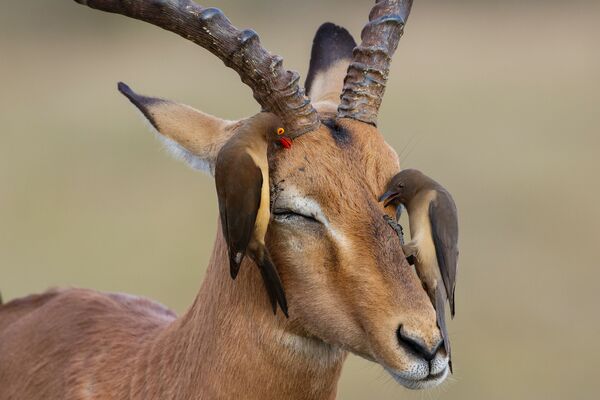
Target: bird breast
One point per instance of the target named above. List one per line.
(263, 215)
(420, 232)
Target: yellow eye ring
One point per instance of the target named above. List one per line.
(280, 131)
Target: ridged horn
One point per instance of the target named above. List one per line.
(275, 88)
(368, 72)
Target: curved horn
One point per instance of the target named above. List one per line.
(275, 88)
(367, 75)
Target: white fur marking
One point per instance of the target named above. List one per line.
(314, 349)
(308, 206)
(180, 152)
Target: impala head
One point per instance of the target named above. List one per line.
(344, 272)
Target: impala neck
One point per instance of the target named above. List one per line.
(230, 345)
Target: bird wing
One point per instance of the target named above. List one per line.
(239, 182)
(444, 230)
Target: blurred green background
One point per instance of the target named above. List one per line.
(497, 99)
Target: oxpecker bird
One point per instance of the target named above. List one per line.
(433, 223)
(242, 180)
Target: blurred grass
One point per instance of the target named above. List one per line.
(498, 100)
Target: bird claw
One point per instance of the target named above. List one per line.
(396, 227)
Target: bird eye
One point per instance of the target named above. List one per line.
(286, 215)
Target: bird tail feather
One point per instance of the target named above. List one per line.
(440, 306)
(452, 304)
(272, 283)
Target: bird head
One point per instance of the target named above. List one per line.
(402, 187)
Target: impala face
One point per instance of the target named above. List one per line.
(345, 275)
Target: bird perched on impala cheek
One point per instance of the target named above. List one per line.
(433, 223)
(242, 180)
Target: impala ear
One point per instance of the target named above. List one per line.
(187, 133)
(329, 59)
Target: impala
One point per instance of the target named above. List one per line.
(347, 282)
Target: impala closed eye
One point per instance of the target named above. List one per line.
(286, 215)
(291, 206)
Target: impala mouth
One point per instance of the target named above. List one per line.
(429, 381)
(421, 373)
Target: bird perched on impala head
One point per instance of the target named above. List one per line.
(433, 224)
(242, 180)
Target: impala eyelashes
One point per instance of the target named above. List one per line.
(293, 216)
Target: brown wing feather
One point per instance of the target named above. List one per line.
(444, 230)
(239, 182)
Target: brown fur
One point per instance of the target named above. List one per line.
(81, 344)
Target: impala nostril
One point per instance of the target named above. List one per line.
(417, 345)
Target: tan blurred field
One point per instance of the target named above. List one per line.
(498, 100)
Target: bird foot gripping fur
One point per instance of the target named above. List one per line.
(396, 227)
(409, 252)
